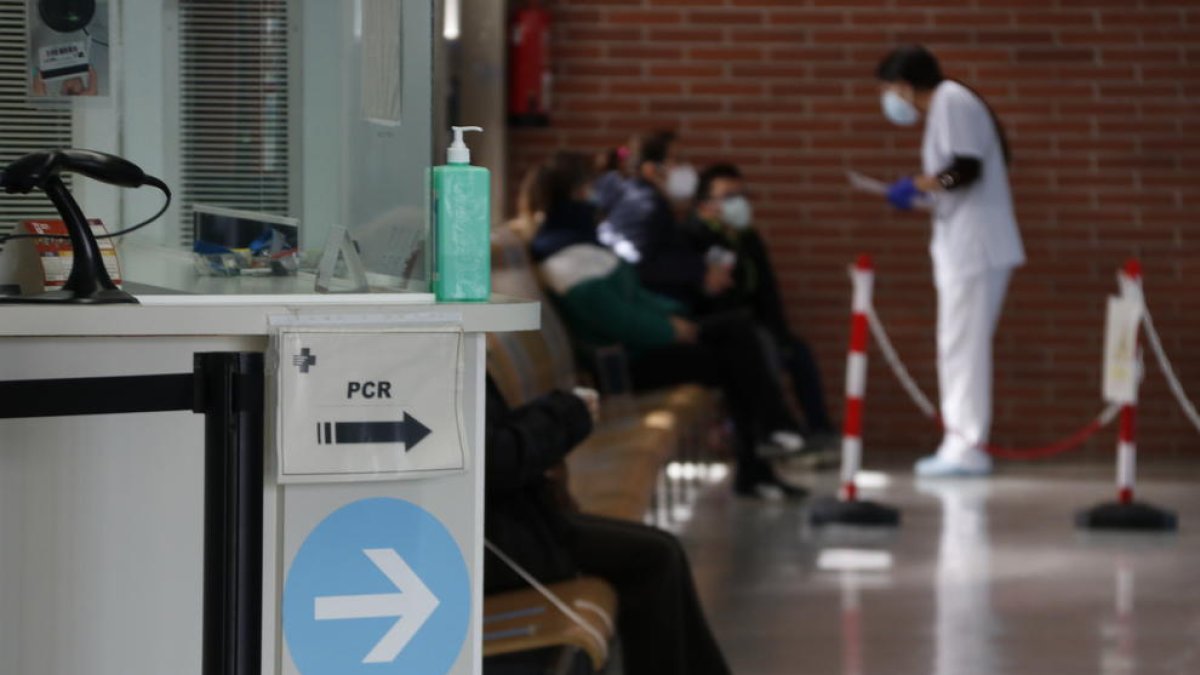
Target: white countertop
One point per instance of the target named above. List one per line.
(251, 315)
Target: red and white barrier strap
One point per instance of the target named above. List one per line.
(863, 275)
(1164, 364)
(866, 319)
(907, 382)
(910, 386)
(929, 410)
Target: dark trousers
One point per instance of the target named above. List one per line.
(660, 621)
(798, 359)
(730, 355)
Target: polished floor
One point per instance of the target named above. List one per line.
(984, 578)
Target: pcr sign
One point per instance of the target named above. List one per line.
(367, 404)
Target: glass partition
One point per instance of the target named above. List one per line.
(279, 124)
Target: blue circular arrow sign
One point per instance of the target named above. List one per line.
(379, 586)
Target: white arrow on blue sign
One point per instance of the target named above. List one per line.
(411, 607)
(379, 586)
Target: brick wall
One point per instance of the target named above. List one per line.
(1102, 102)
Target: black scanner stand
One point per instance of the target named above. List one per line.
(89, 282)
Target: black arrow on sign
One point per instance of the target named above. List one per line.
(407, 431)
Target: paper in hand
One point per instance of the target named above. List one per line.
(874, 186)
(864, 183)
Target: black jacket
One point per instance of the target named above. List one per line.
(522, 517)
(642, 229)
(755, 287)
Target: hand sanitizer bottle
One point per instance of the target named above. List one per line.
(462, 226)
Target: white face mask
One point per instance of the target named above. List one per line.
(682, 180)
(898, 110)
(736, 212)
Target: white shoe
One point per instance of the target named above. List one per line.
(781, 444)
(769, 493)
(788, 441)
(934, 466)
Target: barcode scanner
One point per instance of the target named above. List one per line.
(66, 16)
(31, 171)
(89, 282)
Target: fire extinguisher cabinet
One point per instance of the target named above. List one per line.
(529, 78)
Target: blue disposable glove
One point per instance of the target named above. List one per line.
(903, 193)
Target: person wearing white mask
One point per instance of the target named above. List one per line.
(641, 227)
(976, 244)
(722, 221)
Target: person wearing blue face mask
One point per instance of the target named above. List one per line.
(722, 219)
(604, 303)
(641, 227)
(976, 244)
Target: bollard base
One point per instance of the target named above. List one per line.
(1132, 516)
(834, 511)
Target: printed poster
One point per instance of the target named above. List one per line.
(68, 48)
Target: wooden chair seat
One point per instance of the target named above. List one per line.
(524, 620)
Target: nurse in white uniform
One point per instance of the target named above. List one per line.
(976, 244)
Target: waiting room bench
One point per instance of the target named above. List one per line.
(615, 472)
(524, 621)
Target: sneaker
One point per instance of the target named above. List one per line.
(790, 490)
(822, 450)
(766, 492)
(771, 490)
(934, 466)
(790, 441)
(781, 444)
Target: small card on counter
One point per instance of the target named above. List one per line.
(57, 256)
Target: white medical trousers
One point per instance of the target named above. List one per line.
(968, 311)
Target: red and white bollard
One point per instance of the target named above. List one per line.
(863, 276)
(1126, 454)
(1130, 281)
(846, 508)
(1125, 513)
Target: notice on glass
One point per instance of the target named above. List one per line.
(382, 60)
(68, 49)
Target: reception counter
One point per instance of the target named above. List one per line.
(102, 520)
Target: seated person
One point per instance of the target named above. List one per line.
(604, 303)
(529, 212)
(641, 228)
(723, 219)
(612, 166)
(660, 622)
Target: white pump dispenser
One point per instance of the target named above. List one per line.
(459, 153)
(463, 225)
